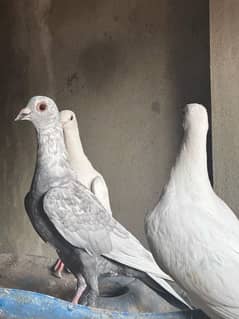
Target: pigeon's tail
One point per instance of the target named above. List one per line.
(165, 290)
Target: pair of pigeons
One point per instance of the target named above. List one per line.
(79, 162)
(192, 233)
(73, 214)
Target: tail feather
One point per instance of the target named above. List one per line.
(151, 279)
(130, 252)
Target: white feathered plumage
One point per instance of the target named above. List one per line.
(193, 234)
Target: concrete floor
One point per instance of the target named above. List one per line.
(33, 273)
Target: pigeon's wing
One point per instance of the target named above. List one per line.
(100, 189)
(129, 251)
(82, 221)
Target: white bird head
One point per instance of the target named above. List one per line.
(68, 120)
(196, 117)
(71, 135)
(41, 111)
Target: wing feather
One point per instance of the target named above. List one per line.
(84, 223)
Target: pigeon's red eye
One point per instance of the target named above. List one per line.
(42, 107)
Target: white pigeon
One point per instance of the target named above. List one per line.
(192, 233)
(87, 174)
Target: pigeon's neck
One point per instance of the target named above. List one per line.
(74, 147)
(191, 165)
(52, 160)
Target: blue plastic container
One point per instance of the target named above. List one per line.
(20, 304)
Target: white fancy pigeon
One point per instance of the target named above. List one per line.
(87, 174)
(65, 214)
(192, 233)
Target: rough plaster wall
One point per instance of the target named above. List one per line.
(224, 30)
(25, 70)
(126, 68)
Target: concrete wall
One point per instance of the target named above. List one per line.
(126, 68)
(224, 30)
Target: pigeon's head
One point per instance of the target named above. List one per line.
(68, 120)
(41, 111)
(195, 117)
(70, 127)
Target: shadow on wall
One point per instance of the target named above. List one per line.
(23, 73)
(98, 63)
(189, 63)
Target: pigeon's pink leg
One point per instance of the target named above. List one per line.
(77, 296)
(81, 285)
(57, 264)
(58, 268)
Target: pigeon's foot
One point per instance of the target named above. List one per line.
(92, 298)
(58, 268)
(83, 300)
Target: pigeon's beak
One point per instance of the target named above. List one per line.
(24, 114)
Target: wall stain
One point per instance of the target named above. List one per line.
(99, 63)
(155, 106)
(116, 18)
(71, 79)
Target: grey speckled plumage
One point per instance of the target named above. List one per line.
(200, 231)
(69, 217)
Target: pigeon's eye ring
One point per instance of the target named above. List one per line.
(41, 107)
